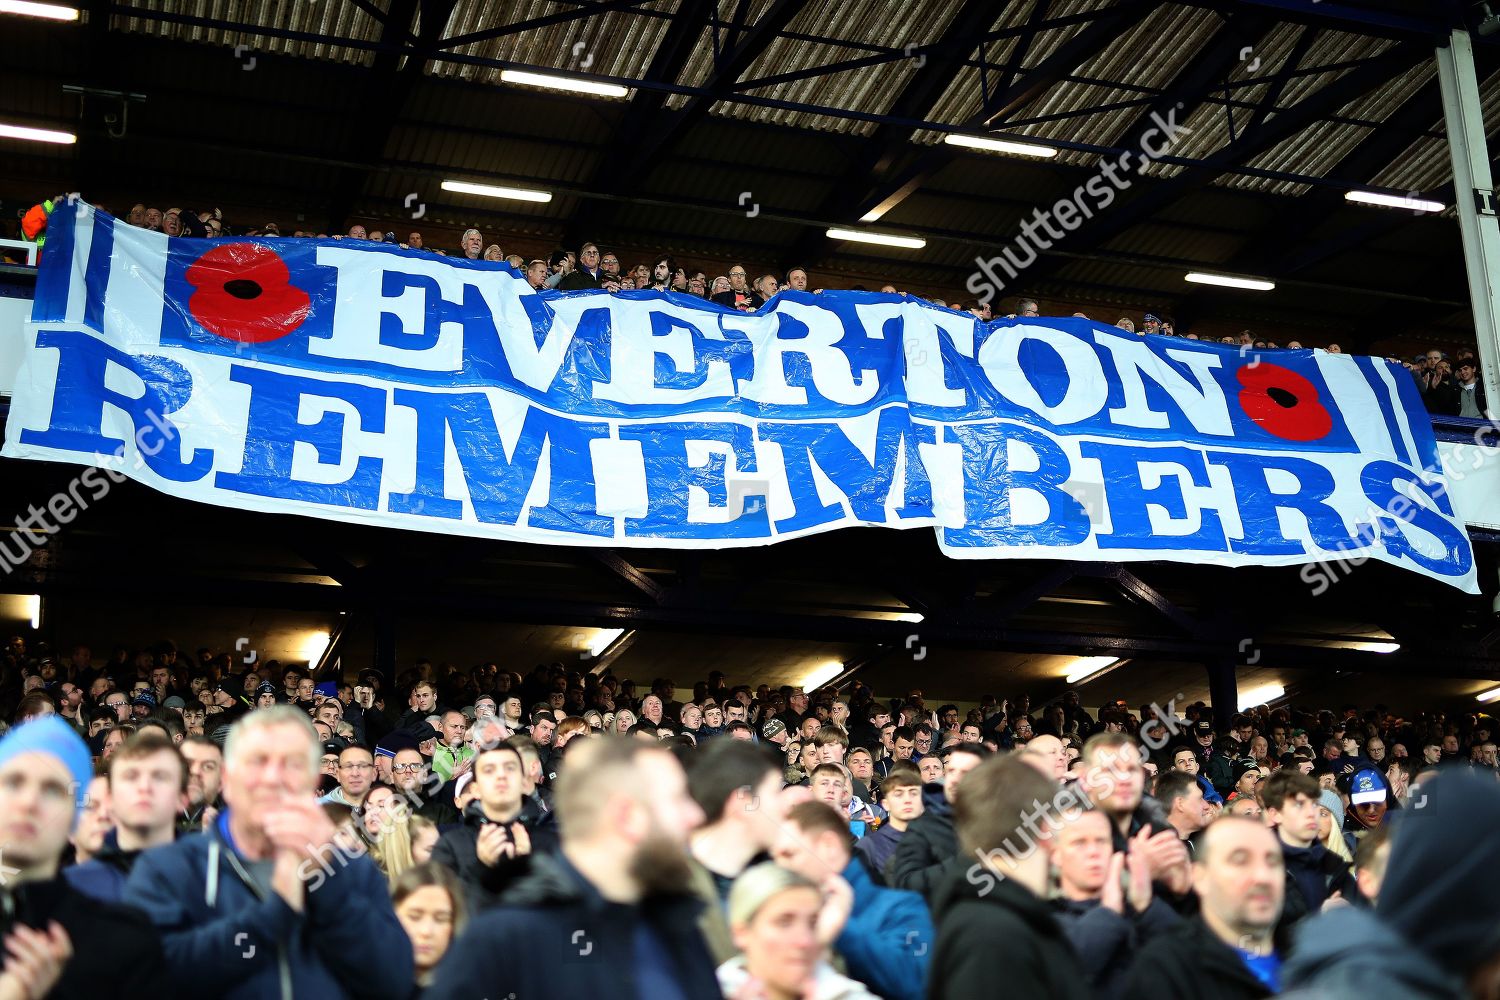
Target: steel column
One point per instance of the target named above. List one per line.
(1473, 192)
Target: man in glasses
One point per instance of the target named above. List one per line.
(738, 295)
(588, 273)
(356, 774)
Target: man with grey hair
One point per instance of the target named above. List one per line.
(472, 244)
(265, 903)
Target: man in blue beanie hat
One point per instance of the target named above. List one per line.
(45, 770)
(1432, 933)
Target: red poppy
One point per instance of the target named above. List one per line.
(244, 293)
(1283, 403)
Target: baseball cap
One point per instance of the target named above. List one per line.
(1366, 786)
(1203, 728)
(773, 729)
(334, 745)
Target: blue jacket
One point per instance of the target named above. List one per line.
(887, 941)
(553, 935)
(224, 937)
(103, 876)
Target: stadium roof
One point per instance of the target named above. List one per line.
(751, 126)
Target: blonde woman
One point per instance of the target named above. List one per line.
(384, 824)
(430, 905)
(782, 927)
(1331, 825)
(624, 720)
(423, 834)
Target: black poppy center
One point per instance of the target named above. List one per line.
(243, 288)
(1282, 397)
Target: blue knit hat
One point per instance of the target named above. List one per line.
(51, 735)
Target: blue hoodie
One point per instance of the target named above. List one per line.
(887, 941)
(225, 936)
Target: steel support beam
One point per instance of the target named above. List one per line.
(1223, 692)
(1473, 189)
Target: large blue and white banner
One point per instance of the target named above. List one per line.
(361, 382)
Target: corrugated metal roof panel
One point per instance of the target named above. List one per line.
(335, 20)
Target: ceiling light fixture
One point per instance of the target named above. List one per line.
(1087, 668)
(51, 11)
(568, 83)
(1410, 202)
(878, 239)
(1262, 695)
(8, 131)
(999, 145)
(497, 191)
(1230, 281)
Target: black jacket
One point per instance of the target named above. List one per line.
(1106, 941)
(116, 950)
(1313, 865)
(1189, 963)
(457, 848)
(555, 936)
(928, 851)
(995, 939)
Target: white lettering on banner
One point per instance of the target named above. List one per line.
(832, 374)
(361, 302)
(1204, 404)
(1087, 388)
(635, 344)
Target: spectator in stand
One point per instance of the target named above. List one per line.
(1314, 875)
(609, 266)
(58, 942)
(1466, 397)
(1182, 798)
(471, 245)
(262, 878)
(991, 915)
(737, 787)
(738, 295)
(1104, 900)
(589, 274)
(613, 906)
(902, 799)
(796, 279)
(430, 905)
(1431, 933)
(502, 832)
(784, 926)
(765, 290)
(536, 274)
(886, 940)
(1228, 952)
(94, 821)
(928, 851)
(147, 791)
(1115, 781)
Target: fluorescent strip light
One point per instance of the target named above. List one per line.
(822, 675)
(1262, 695)
(1409, 202)
(48, 10)
(34, 601)
(916, 618)
(1086, 668)
(563, 83)
(35, 134)
(879, 239)
(999, 145)
(1488, 696)
(1379, 647)
(1229, 281)
(603, 639)
(497, 191)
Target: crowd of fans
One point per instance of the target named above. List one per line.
(176, 824)
(1447, 388)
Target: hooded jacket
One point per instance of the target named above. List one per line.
(1351, 954)
(458, 849)
(103, 876)
(568, 941)
(1313, 874)
(116, 952)
(1188, 962)
(928, 851)
(995, 939)
(225, 936)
